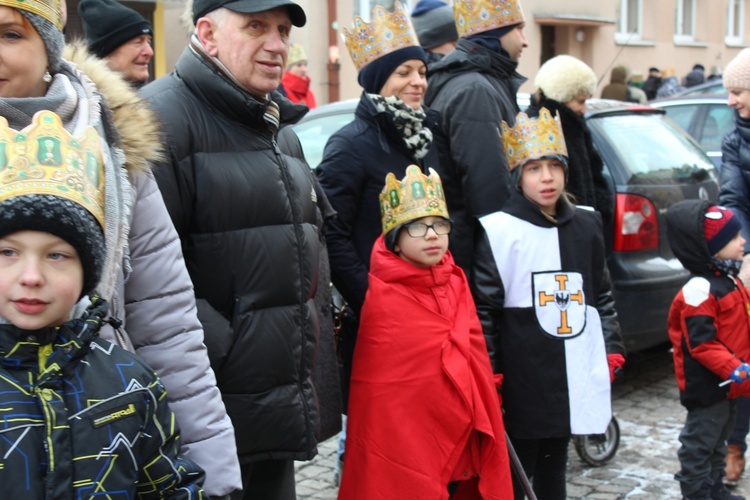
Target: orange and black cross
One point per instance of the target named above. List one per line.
(562, 300)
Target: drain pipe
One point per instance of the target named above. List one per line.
(333, 53)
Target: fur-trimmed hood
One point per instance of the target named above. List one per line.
(136, 126)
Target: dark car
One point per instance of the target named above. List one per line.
(650, 164)
(706, 117)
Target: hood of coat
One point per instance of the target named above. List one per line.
(686, 235)
(390, 268)
(470, 57)
(135, 124)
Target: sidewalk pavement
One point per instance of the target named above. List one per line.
(646, 403)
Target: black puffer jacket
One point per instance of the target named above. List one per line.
(585, 179)
(474, 90)
(245, 213)
(734, 176)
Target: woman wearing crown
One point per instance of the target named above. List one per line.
(391, 130)
(143, 262)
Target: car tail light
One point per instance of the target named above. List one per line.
(636, 225)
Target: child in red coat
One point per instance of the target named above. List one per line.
(424, 414)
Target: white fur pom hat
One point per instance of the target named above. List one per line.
(737, 72)
(563, 78)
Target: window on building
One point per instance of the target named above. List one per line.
(685, 22)
(629, 25)
(735, 15)
(363, 8)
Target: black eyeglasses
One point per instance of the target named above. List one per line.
(419, 229)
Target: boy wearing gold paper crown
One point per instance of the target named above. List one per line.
(424, 415)
(545, 301)
(81, 417)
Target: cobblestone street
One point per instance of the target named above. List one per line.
(646, 403)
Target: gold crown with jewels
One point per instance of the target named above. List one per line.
(533, 138)
(476, 16)
(415, 196)
(387, 32)
(296, 55)
(51, 10)
(44, 158)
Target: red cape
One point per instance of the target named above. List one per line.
(421, 384)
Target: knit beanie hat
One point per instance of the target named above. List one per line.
(564, 77)
(65, 219)
(720, 225)
(296, 55)
(373, 76)
(108, 24)
(434, 23)
(737, 72)
(52, 36)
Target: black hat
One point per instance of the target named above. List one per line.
(203, 7)
(65, 219)
(373, 76)
(108, 24)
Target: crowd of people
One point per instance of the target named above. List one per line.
(166, 318)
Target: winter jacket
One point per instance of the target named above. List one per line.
(651, 86)
(424, 409)
(355, 163)
(617, 88)
(297, 89)
(246, 215)
(153, 293)
(83, 418)
(709, 319)
(695, 77)
(544, 298)
(585, 178)
(734, 175)
(474, 90)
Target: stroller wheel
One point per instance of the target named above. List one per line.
(598, 449)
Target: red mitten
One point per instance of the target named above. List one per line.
(614, 361)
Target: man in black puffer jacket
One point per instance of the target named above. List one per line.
(246, 214)
(474, 89)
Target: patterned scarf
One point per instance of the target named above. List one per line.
(727, 266)
(408, 121)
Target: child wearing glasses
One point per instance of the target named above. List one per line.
(424, 415)
(544, 298)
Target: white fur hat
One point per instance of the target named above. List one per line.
(563, 78)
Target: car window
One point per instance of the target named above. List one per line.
(682, 114)
(652, 148)
(314, 133)
(719, 121)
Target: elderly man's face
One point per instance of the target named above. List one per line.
(132, 58)
(254, 47)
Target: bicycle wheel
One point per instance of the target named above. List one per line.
(598, 449)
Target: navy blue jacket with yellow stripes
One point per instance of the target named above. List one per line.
(81, 417)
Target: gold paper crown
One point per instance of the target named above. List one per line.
(476, 16)
(296, 54)
(417, 195)
(44, 158)
(386, 33)
(531, 138)
(51, 10)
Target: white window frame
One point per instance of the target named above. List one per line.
(733, 15)
(683, 33)
(622, 36)
(364, 7)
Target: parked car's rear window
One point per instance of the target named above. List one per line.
(652, 148)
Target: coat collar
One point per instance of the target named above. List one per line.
(212, 87)
(523, 208)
